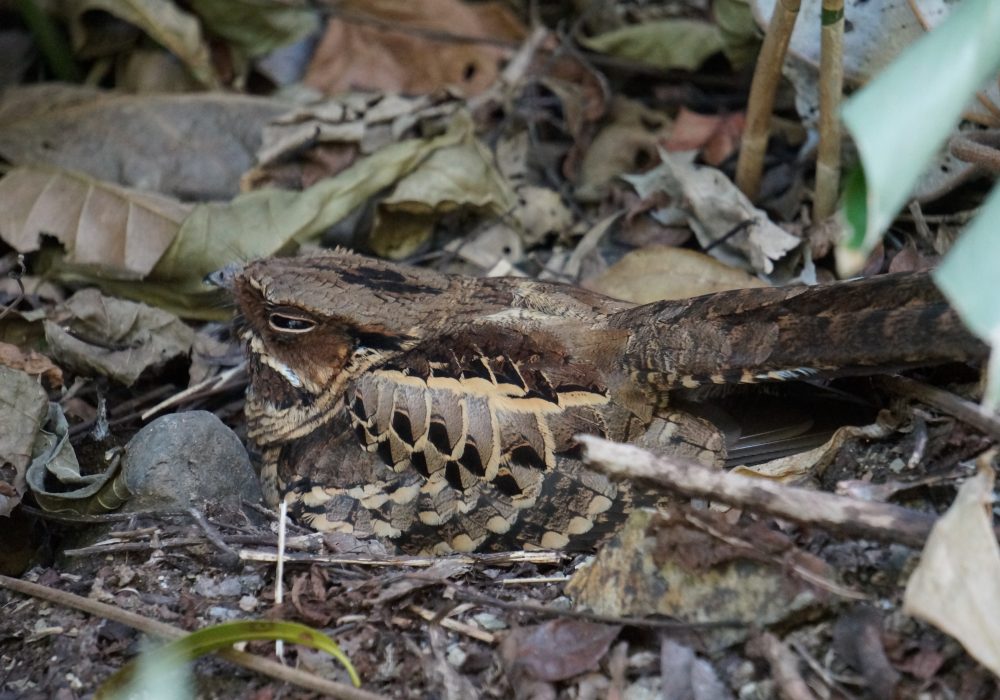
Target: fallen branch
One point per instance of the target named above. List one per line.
(848, 516)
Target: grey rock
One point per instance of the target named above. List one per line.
(186, 459)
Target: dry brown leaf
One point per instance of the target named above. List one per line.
(625, 145)
(402, 47)
(667, 566)
(717, 137)
(114, 337)
(558, 649)
(101, 225)
(956, 586)
(663, 272)
(31, 362)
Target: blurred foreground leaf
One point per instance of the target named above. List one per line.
(969, 278)
(223, 636)
(956, 586)
(934, 78)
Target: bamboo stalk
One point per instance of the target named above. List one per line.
(831, 86)
(766, 76)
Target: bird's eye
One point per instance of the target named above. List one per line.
(286, 323)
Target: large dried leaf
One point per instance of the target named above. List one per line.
(664, 565)
(664, 272)
(114, 337)
(166, 23)
(968, 278)
(665, 44)
(372, 54)
(189, 146)
(956, 586)
(258, 224)
(631, 137)
(459, 176)
(111, 229)
(23, 407)
(253, 225)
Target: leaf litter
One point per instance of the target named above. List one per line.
(525, 152)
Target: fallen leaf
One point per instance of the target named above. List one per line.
(455, 177)
(716, 137)
(258, 224)
(165, 22)
(252, 27)
(192, 146)
(738, 31)
(558, 649)
(541, 213)
(665, 44)
(111, 229)
(54, 475)
(665, 565)
(663, 272)
(23, 408)
(307, 144)
(627, 143)
(31, 362)
(397, 47)
(956, 586)
(686, 677)
(114, 337)
(719, 214)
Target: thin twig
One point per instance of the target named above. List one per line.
(164, 631)
(944, 401)
(838, 514)
(549, 611)
(231, 557)
(211, 385)
(455, 625)
(485, 559)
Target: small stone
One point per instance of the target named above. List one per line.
(220, 613)
(184, 459)
(248, 603)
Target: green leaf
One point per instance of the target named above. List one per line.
(901, 118)
(969, 278)
(256, 27)
(223, 636)
(669, 43)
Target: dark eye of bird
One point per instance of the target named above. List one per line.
(290, 324)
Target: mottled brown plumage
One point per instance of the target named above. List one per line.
(439, 411)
